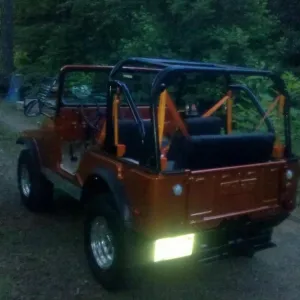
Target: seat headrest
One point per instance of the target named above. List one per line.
(203, 126)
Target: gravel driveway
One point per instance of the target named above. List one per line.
(41, 257)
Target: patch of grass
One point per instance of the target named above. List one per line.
(6, 287)
(8, 145)
(6, 134)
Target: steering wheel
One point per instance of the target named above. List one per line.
(95, 123)
(81, 94)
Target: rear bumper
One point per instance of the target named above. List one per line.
(236, 237)
(240, 236)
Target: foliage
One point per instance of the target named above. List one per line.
(293, 86)
(74, 31)
(248, 119)
(258, 33)
(288, 14)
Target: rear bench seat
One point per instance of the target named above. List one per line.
(212, 151)
(203, 126)
(205, 148)
(129, 133)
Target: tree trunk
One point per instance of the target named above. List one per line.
(6, 26)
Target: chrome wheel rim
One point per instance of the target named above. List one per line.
(25, 181)
(102, 243)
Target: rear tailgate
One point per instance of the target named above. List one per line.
(221, 193)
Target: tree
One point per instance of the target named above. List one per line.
(288, 13)
(75, 31)
(7, 37)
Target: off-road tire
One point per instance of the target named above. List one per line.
(111, 279)
(40, 197)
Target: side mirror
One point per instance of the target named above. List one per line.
(41, 105)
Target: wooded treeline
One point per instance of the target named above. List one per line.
(260, 33)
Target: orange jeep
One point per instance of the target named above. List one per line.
(165, 166)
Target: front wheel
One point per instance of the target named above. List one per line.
(35, 190)
(104, 243)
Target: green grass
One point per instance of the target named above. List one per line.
(6, 287)
(6, 134)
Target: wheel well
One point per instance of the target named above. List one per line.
(30, 145)
(94, 185)
(98, 184)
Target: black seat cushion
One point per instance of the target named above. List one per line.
(129, 135)
(213, 151)
(203, 126)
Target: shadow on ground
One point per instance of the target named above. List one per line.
(41, 257)
(44, 259)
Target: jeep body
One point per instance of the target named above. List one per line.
(177, 184)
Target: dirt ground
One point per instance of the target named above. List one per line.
(41, 256)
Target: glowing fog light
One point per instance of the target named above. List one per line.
(175, 247)
(289, 174)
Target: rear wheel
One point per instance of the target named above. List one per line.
(35, 190)
(104, 243)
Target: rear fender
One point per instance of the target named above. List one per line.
(104, 180)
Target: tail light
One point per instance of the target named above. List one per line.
(290, 183)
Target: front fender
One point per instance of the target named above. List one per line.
(30, 144)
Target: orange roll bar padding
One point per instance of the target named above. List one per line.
(229, 115)
(218, 105)
(278, 150)
(121, 149)
(175, 115)
(161, 115)
(268, 112)
(171, 106)
(101, 136)
(180, 125)
(115, 115)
